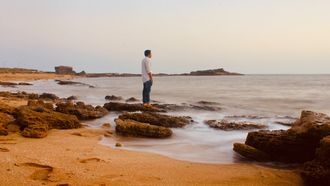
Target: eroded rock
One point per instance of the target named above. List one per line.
(317, 172)
(231, 125)
(36, 122)
(157, 119)
(296, 145)
(138, 129)
(116, 106)
(82, 111)
(113, 98)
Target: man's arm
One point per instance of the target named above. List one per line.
(149, 70)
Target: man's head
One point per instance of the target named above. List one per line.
(148, 53)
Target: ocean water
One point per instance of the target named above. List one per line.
(272, 97)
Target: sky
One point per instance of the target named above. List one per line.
(246, 36)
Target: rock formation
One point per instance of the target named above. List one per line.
(82, 111)
(157, 119)
(138, 129)
(231, 125)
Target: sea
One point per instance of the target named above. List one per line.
(261, 99)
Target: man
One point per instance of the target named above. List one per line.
(146, 78)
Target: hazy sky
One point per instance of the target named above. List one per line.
(248, 36)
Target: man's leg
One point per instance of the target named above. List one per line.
(148, 92)
(144, 93)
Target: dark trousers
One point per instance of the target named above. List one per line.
(146, 91)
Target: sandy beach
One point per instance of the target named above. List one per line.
(75, 157)
(31, 76)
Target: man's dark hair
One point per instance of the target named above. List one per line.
(147, 53)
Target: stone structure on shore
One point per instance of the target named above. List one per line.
(64, 70)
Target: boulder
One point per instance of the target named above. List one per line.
(116, 106)
(138, 129)
(7, 109)
(231, 125)
(113, 98)
(82, 111)
(36, 121)
(296, 145)
(250, 152)
(48, 96)
(317, 172)
(157, 119)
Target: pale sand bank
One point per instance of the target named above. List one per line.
(80, 160)
(31, 76)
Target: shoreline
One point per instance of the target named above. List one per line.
(76, 157)
(45, 161)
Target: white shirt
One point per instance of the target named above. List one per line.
(146, 68)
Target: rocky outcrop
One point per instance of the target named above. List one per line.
(317, 172)
(48, 96)
(231, 125)
(251, 152)
(113, 98)
(138, 129)
(11, 84)
(213, 72)
(82, 111)
(296, 145)
(157, 119)
(116, 106)
(36, 121)
(66, 82)
(64, 70)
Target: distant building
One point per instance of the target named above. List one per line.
(64, 70)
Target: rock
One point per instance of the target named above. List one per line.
(106, 126)
(82, 111)
(36, 124)
(33, 96)
(205, 107)
(317, 172)
(62, 82)
(250, 152)
(283, 146)
(4, 120)
(72, 98)
(113, 98)
(134, 128)
(3, 131)
(25, 84)
(64, 70)
(157, 119)
(48, 96)
(132, 99)
(116, 106)
(284, 123)
(119, 145)
(246, 117)
(8, 84)
(40, 103)
(212, 72)
(230, 125)
(312, 125)
(7, 109)
(296, 145)
(12, 127)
